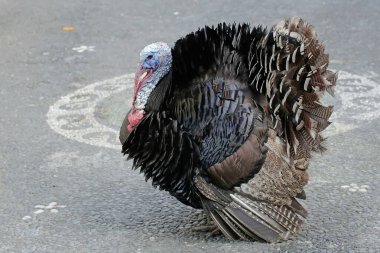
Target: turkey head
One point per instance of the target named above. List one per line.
(155, 64)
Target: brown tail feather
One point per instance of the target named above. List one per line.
(295, 64)
(280, 179)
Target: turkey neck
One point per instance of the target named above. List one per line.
(159, 94)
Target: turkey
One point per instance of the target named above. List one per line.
(227, 120)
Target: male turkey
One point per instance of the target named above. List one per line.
(227, 119)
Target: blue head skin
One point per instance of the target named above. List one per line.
(155, 63)
(151, 61)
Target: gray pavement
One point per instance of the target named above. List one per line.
(60, 194)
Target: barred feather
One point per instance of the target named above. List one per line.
(294, 91)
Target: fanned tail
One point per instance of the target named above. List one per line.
(289, 67)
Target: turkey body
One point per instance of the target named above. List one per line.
(231, 127)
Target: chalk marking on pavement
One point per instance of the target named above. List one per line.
(52, 207)
(355, 188)
(73, 115)
(84, 48)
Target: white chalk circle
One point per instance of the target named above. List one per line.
(75, 114)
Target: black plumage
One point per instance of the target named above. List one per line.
(231, 127)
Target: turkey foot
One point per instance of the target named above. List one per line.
(211, 228)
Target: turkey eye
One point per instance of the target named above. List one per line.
(149, 57)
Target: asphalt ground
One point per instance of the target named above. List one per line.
(64, 186)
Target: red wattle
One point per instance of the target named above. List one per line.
(134, 118)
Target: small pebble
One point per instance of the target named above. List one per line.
(54, 211)
(39, 206)
(353, 185)
(38, 211)
(345, 186)
(365, 186)
(176, 13)
(352, 189)
(363, 190)
(27, 217)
